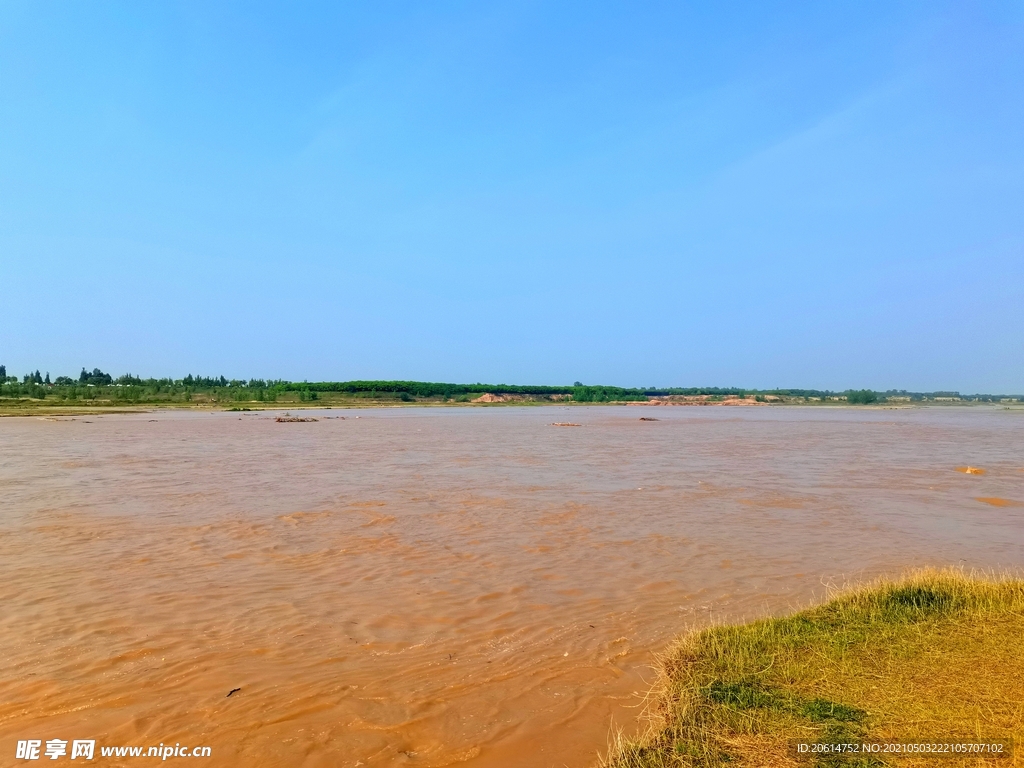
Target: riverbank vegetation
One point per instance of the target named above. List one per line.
(937, 656)
(98, 389)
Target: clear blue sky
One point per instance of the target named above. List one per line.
(759, 194)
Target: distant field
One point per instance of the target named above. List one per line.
(99, 390)
(127, 402)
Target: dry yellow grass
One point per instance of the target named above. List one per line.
(936, 656)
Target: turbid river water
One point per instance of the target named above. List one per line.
(429, 587)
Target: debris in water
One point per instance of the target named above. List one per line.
(233, 690)
(283, 419)
(996, 501)
(565, 424)
(971, 470)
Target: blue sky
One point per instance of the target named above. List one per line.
(759, 195)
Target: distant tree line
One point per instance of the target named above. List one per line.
(422, 388)
(90, 384)
(585, 394)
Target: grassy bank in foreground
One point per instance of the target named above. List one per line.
(936, 656)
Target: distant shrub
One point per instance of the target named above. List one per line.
(861, 396)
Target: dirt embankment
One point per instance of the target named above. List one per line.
(706, 400)
(488, 397)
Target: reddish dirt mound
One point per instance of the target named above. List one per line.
(701, 400)
(487, 397)
(490, 397)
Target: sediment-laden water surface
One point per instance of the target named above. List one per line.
(428, 587)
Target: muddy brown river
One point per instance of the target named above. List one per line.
(442, 586)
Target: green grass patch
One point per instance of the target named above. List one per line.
(938, 655)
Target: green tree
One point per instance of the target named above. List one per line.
(861, 396)
(97, 377)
